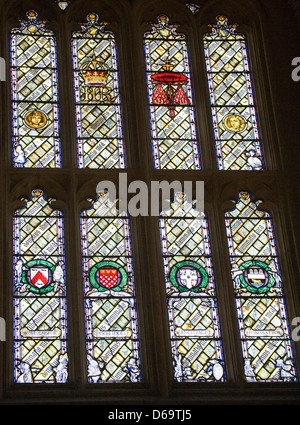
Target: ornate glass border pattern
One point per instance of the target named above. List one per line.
(172, 112)
(192, 305)
(34, 90)
(40, 315)
(110, 304)
(238, 145)
(97, 97)
(259, 296)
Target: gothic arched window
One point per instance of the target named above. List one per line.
(110, 305)
(172, 114)
(191, 295)
(35, 112)
(97, 97)
(259, 294)
(40, 314)
(105, 305)
(233, 110)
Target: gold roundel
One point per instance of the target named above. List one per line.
(35, 119)
(234, 123)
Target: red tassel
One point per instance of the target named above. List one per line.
(159, 97)
(180, 98)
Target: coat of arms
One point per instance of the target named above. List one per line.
(95, 74)
(108, 275)
(169, 89)
(39, 276)
(188, 276)
(256, 276)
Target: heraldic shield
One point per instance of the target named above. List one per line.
(256, 277)
(108, 275)
(39, 276)
(188, 277)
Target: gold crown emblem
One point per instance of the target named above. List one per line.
(108, 271)
(94, 73)
(95, 78)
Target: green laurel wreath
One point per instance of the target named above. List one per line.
(249, 287)
(31, 287)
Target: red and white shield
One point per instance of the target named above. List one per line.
(108, 277)
(39, 276)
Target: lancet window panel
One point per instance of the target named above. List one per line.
(191, 295)
(39, 288)
(97, 97)
(172, 113)
(112, 339)
(259, 294)
(234, 116)
(34, 91)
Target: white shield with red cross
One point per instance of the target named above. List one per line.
(39, 277)
(108, 277)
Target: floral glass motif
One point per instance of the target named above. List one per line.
(237, 139)
(191, 297)
(110, 305)
(35, 113)
(259, 296)
(40, 323)
(62, 4)
(97, 97)
(172, 113)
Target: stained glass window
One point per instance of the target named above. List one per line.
(237, 139)
(35, 114)
(62, 4)
(191, 296)
(259, 294)
(172, 114)
(97, 97)
(110, 305)
(194, 8)
(40, 326)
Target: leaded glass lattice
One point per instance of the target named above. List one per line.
(191, 296)
(172, 114)
(40, 324)
(259, 296)
(97, 97)
(35, 113)
(237, 139)
(110, 304)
